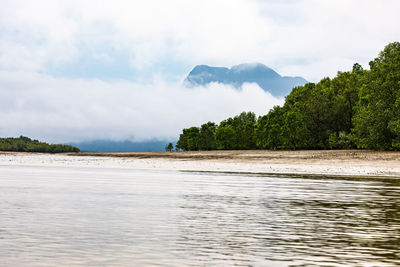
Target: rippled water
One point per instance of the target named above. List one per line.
(104, 217)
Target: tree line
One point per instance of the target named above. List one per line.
(25, 144)
(356, 109)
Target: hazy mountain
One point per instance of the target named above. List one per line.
(121, 146)
(268, 79)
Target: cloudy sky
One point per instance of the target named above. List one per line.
(82, 70)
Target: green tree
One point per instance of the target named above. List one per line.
(225, 137)
(169, 147)
(268, 129)
(378, 115)
(25, 144)
(189, 139)
(207, 136)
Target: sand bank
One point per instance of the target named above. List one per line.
(340, 162)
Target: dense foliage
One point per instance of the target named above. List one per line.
(169, 147)
(356, 109)
(25, 144)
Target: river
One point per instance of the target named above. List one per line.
(124, 217)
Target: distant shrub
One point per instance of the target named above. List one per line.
(25, 144)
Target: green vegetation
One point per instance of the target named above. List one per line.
(169, 147)
(356, 109)
(25, 144)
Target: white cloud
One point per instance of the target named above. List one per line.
(62, 110)
(289, 36)
(198, 31)
(333, 35)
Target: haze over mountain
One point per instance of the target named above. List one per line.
(152, 145)
(268, 79)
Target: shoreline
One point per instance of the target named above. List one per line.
(346, 163)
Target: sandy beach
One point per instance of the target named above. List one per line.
(334, 162)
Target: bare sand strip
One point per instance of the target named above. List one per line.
(312, 162)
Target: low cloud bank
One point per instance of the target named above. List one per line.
(72, 110)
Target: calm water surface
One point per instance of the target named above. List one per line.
(104, 217)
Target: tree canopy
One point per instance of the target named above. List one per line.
(169, 147)
(25, 144)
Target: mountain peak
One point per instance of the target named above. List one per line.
(251, 67)
(268, 79)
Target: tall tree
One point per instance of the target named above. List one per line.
(207, 136)
(376, 123)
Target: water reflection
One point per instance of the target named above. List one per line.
(297, 221)
(93, 217)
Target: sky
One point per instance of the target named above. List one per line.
(82, 70)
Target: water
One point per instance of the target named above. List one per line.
(104, 217)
